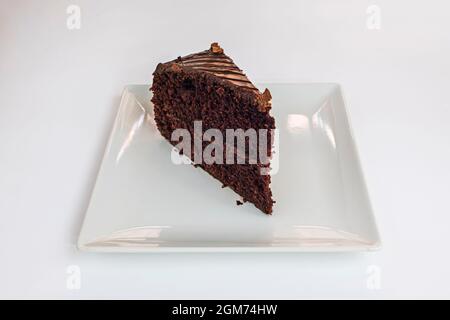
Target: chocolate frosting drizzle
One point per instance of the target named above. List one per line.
(216, 62)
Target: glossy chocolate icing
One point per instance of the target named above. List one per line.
(216, 62)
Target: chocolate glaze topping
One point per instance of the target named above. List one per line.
(216, 62)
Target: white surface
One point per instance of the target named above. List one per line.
(55, 119)
(143, 202)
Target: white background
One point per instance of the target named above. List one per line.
(59, 91)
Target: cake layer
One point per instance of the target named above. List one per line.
(207, 98)
(210, 88)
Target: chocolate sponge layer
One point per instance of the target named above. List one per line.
(183, 94)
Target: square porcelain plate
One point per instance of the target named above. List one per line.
(143, 202)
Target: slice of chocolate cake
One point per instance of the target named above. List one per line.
(208, 96)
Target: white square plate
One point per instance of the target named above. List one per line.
(142, 202)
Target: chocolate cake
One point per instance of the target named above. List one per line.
(208, 86)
